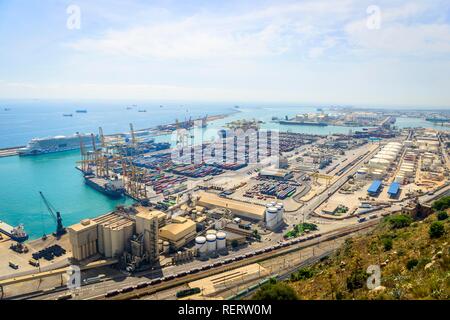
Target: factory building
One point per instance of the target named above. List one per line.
(178, 233)
(147, 225)
(83, 238)
(245, 210)
(117, 232)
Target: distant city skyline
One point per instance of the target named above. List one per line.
(350, 52)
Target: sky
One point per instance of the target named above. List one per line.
(353, 52)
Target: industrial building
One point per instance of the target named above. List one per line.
(375, 188)
(178, 233)
(116, 233)
(275, 174)
(245, 210)
(394, 189)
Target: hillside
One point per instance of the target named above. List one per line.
(414, 264)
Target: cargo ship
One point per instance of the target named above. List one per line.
(54, 144)
(14, 233)
(112, 188)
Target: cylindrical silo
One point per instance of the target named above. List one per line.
(211, 241)
(166, 246)
(221, 241)
(211, 231)
(200, 245)
(160, 245)
(271, 217)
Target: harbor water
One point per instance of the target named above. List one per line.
(21, 178)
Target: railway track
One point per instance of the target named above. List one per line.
(137, 293)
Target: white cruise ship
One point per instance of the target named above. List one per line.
(55, 144)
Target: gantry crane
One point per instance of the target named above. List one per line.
(56, 215)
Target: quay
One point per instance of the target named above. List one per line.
(9, 152)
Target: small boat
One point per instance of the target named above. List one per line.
(81, 111)
(7, 109)
(67, 115)
(142, 110)
(129, 108)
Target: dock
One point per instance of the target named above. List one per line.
(9, 152)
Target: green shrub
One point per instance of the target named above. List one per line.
(441, 204)
(411, 264)
(436, 229)
(275, 291)
(387, 244)
(302, 274)
(400, 221)
(442, 215)
(357, 279)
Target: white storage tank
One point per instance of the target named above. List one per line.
(211, 241)
(200, 245)
(221, 241)
(160, 245)
(280, 214)
(166, 246)
(211, 231)
(271, 217)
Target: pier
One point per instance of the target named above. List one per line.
(9, 152)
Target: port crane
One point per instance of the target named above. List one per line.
(56, 215)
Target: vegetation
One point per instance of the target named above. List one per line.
(275, 291)
(441, 204)
(399, 221)
(413, 264)
(299, 229)
(387, 243)
(302, 274)
(437, 229)
(442, 215)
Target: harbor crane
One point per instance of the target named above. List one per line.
(56, 215)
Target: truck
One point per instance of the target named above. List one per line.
(361, 219)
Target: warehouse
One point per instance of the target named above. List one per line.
(178, 233)
(375, 188)
(275, 174)
(394, 190)
(245, 210)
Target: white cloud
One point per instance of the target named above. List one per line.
(259, 33)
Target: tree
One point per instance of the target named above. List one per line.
(442, 215)
(400, 221)
(441, 204)
(436, 230)
(275, 291)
